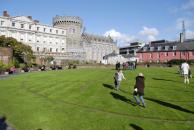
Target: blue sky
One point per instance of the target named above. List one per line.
(124, 20)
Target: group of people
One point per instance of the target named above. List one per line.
(138, 88)
(140, 85)
(126, 65)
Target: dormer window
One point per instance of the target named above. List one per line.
(151, 48)
(30, 26)
(2, 23)
(174, 47)
(145, 49)
(159, 48)
(166, 48)
(22, 25)
(13, 24)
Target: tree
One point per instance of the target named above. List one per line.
(21, 53)
(49, 59)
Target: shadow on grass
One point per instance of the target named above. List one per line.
(122, 98)
(108, 86)
(136, 127)
(123, 91)
(164, 79)
(166, 104)
(111, 87)
(4, 125)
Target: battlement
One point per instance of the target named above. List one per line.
(58, 20)
(96, 38)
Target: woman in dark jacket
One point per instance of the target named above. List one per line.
(139, 89)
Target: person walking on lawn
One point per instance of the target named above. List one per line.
(118, 78)
(139, 89)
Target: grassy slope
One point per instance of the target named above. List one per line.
(83, 99)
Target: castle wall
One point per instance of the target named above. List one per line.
(63, 40)
(73, 25)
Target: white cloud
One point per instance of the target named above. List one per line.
(189, 34)
(120, 37)
(188, 6)
(151, 38)
(150, 33)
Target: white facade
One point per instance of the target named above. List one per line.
(114, 59)
(56, 40)
(42, 38)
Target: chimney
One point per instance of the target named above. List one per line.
(5, 14)
(30, 17)
(181, 37)
(36, 21)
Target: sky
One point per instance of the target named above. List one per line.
(124, 20)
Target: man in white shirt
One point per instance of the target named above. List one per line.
(185, 69)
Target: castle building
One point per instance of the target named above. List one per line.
(64, 40)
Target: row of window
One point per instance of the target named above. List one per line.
(48, 50)
(159, 48)
(37, 28)
(21, 39)
(167, 54)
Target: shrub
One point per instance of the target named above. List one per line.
(16, 63)
(2, 67)
(179, 62)
(74, 66)
(22, 65)
(70, 66)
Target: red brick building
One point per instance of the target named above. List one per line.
(163, 51)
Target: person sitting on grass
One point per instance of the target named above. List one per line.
(139, 89)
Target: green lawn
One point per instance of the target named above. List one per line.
(83, 99)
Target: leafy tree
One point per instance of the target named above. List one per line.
(22, 53)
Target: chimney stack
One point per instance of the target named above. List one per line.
(30, 17)
(36, 21)
(181, 37)
(5, 14)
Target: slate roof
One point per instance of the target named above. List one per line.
(169, 46)
(110, 55)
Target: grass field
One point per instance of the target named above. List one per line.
(84, 99)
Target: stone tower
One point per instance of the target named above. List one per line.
(73, 25)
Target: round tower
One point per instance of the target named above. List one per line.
(73, 25)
